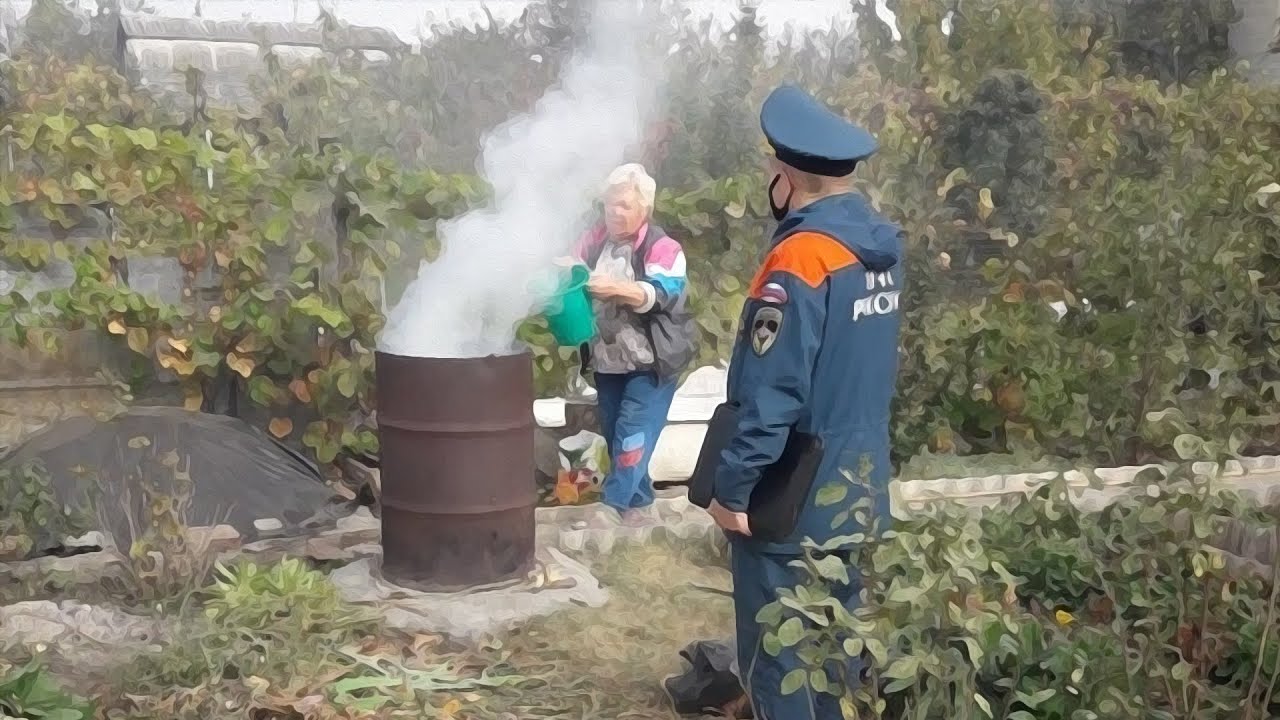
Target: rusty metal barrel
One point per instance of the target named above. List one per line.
(458, 474)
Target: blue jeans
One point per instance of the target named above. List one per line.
(633, 410)
(757, 578)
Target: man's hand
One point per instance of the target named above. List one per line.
(729, 520)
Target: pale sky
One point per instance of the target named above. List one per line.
(408, 18)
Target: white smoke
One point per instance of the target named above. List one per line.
(546, 168)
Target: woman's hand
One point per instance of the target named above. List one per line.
(631, 294)
(604, 288)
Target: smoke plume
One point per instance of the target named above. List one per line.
(545, 169)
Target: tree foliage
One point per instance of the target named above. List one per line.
(1091, 246)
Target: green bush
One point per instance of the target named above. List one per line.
(30, 514)
(1037, 609)
(1090, 215)
(274, 638)
(283, 622)
(29, 693)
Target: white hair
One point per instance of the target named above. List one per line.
(635, 177)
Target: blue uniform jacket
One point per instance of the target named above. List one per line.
(817, 349)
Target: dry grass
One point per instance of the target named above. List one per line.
(580, 664)
(609, 662)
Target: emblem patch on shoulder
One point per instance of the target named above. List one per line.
(774, 294)
(765, 325)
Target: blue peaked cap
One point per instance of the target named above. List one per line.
(809, 137)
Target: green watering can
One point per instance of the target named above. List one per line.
(569, 316)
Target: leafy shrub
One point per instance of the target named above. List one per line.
(284, 622)
(29, 693)
(289, 597)
(31, 517)
(1089, 248)
(279, 637)
(1036, 609)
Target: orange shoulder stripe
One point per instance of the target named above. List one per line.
(812, 257)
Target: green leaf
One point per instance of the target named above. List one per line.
(982, 703)
(840, 519)
(80, 181)
(791, 632)
(60, 123)
(771, 644)
(144, 138)
(365, 682)
(347, 384)
(899, 685)
(831, 567)
(770, 615)
(370, 704)
(1035, 699)
(793, 681)
(853, 647)
(878, 651)
(831, 494)
(906, 594)
(277, 228)
(903, 668)
(818, 681)
(310, 200)
(975, 650)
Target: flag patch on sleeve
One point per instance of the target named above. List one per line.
(773, 293)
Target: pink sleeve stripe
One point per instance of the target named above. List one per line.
(664, 254)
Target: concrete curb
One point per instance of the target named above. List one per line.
(1258, 476)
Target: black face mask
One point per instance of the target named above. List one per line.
(779, 212)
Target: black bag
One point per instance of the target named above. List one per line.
(708, 683)
(783, 488)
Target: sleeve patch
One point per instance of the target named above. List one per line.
(774, 294)
(766, 323)
(808, 256)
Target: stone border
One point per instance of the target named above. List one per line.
(1256, 475)
(572, 530)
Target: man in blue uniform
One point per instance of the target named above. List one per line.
(816, 355)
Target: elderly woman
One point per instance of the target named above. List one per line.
(645, 333)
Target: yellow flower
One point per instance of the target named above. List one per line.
(1064, 618)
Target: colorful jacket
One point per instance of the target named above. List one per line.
(665, 319)
(817, 351)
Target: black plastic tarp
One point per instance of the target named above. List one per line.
(238, 474)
